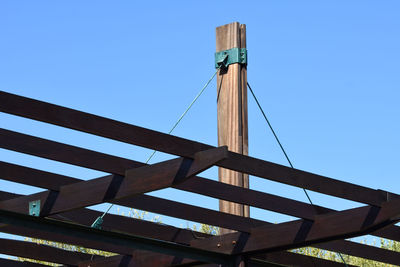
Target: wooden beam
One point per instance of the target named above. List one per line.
(114, 239)
(168, 233)
(362, 251)
(197, 185)
(252, 198)
(42, 252)
(139, 258)
(232, 110)
(119, 223)
(183, 236)
(294, 259)
(75, 155)
(190, 212)
(44, 148)
(115, 187)
(154, 204)
(85, 122)
(15, 263)
(300, 233)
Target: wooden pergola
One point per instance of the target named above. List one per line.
(59, 213)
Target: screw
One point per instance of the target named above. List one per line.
(234, 242)
(218, 245)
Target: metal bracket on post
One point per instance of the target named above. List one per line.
(34, 208)
(231, 56)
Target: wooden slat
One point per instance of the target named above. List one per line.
(14, 263)
(190, 212)
(139, 258)
(169, 208)
(34, 177)
(53, 150)
(293, 259)
(131, 134)
(114, 187)
(252, 198)
(64, 238)
(327, 227)
(185, 236)
(64, 153)
(197, 185)
(114, 239)
(170, 233)
(362, 251)
(42, 252)
(306, 180)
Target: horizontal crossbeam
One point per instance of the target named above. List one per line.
(43, 252)
(89, 123)
(114, 187)
(81, 217)
(300, 233)
(114, 238)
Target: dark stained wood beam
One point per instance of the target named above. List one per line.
(116, 242)
(199, 185)
(14, 263)
(139, 258)
(185, 236)
(114, 187)
(75, 155)
(190, 212)
(324, 228)
(162, 232)
(42, 252)
(89, 123)
(362, 251)
(294, 259)
(34, 177)
(56, 151)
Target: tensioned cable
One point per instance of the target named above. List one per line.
(283, 150)
(276, 137)
(99, 220)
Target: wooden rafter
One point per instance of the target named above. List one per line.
(65, 201)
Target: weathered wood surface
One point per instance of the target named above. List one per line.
(42, 252)
(324, 228)
(183, 236)
(79, 156)
(168, 233)
(85, 122)
(115, 187)
(232, 111)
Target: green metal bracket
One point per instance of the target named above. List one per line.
(34, 208)
(231, 56)
(97, 223)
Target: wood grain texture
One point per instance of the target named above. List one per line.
(131, 134)
(114, 187)
(42, 252)
(232, 110)
(324, 228)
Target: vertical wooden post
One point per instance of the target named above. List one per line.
(232, 110)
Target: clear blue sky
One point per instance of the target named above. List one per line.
(326, 73)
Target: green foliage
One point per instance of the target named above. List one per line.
(207, 229)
